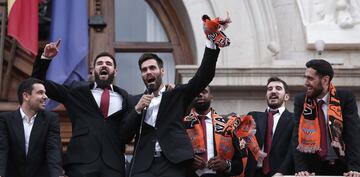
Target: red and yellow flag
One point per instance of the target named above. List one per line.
(23, 23)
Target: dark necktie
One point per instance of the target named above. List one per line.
(322, 123)
(268, 140)
(203, 125)
(104, 103)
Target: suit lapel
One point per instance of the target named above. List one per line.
(124, 100)
(18, 127)
(37, 129)
(92, 99)
(282, 123)
(261, 128)
(161, 107)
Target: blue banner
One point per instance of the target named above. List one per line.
(70, 24)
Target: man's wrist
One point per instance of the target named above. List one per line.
(138, 112)
(44, 58)
(210, 45)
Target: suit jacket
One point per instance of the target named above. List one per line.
(44, 152)
(92, 135)
(280, 159)
(351, 131)
(169, 129)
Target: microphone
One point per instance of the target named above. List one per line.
(150, 88)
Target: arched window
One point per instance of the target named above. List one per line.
(147, 26)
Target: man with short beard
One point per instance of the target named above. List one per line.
(162, 147)
(30, 143)
(273, 132)
(216, 153)
(327, 126)
(95, 110)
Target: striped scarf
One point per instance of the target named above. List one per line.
(309, 128)
(243, 127)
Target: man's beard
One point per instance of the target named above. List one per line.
(275, 105)
(157, 84)
(316, 91)
(104, 83)
(201, 107)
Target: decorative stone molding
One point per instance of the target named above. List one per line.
(257, 77)
(337, 22)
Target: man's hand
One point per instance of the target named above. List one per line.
(199, 163)
(170, 87)
(218, 164)
(352, 174)
(304, 173)
(143, 102)
(51, 49)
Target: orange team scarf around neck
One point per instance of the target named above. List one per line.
(243, 127)
(309, 128)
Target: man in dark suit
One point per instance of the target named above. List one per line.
(327, 126)
(96, 110)
(273, 132)
(162, 146)
(30, 144)
(217, 152)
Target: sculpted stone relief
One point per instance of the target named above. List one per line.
(344, 13)
(337, 22)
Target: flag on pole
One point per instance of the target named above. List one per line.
(70, 24)
(23, 21)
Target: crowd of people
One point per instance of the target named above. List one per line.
(176, 130)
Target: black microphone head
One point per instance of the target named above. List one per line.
(150, 88)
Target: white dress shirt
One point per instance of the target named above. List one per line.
(276, 118)
(325, 106)
(152, 112)
(115, 98)
(28, 125)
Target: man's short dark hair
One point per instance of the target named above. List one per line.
(322, 67)
(276, 79)
(105, 54)
(148, 56)
(27, 86)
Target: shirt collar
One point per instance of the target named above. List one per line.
(96, 87)
(163, 89)
(24, 116)
(207, 116)
(325, 99)
(280, 109)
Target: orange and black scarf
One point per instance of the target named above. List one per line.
(309, 128)
(224, 130)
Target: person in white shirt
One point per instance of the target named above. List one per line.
(210, 160)
(30, 136)
(274, 128)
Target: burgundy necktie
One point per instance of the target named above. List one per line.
(203, 125)
(322, 123)
(104, 103)
(268, 140)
